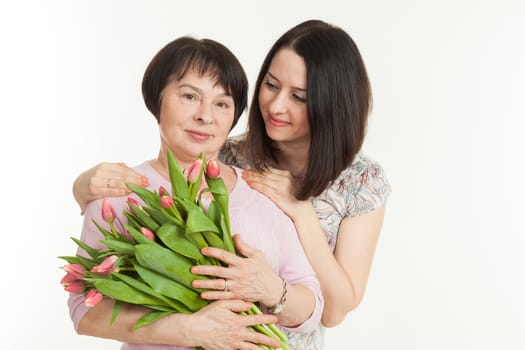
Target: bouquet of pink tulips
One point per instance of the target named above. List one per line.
(150, 263)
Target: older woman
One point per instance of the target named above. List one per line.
(196, 89)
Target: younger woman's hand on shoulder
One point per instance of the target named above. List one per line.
(278, 185)
(105, 180)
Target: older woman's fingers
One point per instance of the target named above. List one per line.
(221, 254)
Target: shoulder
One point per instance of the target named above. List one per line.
(365, 170)
(245, 199)
(363, 186)
(232, 152)
(144, 168)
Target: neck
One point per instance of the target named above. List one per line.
(293, 157)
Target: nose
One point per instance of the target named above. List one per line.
(204, 114)
(278, 103)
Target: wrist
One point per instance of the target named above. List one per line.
(302, 209)
(279, 306)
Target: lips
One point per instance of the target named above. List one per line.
(198, 135)
(277, 122)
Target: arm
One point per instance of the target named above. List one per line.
(345, 270)
(216, 326)
(343, 274)
(105, 180)
(251, 278)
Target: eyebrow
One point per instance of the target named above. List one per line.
(293, 87)
(193, 87)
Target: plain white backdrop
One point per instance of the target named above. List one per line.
(448, 81)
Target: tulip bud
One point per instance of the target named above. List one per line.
(194, 170)
(133, 201)
(68, 278)
(76, 270)
(107, 266)
(166, 201)
(92, 298)
(108, 212)
(76, 287)
(163, 191)
(212, 170)
(147, 233)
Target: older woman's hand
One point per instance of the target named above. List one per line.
(219, 326)
(105, 180)
(248, 277)
(279, 186)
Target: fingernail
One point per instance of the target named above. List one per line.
(144, 182)
(204, 250)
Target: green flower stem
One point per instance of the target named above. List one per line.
(256, 311)
(113, 230)
(269, 330)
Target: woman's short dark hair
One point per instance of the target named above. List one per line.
(338, 98)
(205, 56)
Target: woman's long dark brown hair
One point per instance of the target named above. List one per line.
(338, 98)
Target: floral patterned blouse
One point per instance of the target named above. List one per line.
(359, 189)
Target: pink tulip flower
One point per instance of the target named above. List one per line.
(133, 201)
(147, 233)
(212, 170)
(68, 278)
(163, 191)
(107, 266)
(77, 270)
(92, 298)
(166, 201)
(194, 171)
(108, 212)
(76, 287)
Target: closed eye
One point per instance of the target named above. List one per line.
(270, 86)
(299, 98)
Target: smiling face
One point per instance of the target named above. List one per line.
(195, 116)
(282, 99)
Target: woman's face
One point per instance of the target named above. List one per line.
(195, 116)
(282, 99)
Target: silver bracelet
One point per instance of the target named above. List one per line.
(280, 305)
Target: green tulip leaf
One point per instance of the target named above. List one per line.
(178, 181)
(213, 239)
(150, 317)
(165, 262)
(119, 247)
(91, 251)
(146, 195)
(170, 288)
(143, 218)
(197, 221)
(119, 290)
(158, 215)
(138, 237)
(174, 238)
(88, 263)
(116, 310)
(106, 233)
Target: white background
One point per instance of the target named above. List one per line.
(448, 81)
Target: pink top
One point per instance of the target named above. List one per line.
(258, 221)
